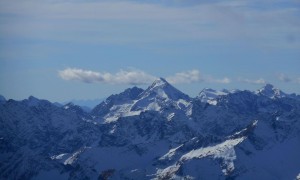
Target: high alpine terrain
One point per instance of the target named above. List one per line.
(157, 133)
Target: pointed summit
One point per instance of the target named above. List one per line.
(270, 91)
(159, 82)
(33, 101)
(161, 88)
(159, 95)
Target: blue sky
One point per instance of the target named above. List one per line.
(62, 50)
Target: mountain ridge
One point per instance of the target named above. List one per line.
(156, 133)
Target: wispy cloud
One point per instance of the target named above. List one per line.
(185, 77)
(252, 81)
(283, 77)
(134, 77)
(195, 76)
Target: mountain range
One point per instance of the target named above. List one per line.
(156, 133)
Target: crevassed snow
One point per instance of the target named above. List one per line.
(224, 151)
(217, 150)
(170, 153)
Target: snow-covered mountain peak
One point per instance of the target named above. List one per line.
(160, 88)
(209, 95)
(32, 98)
(157, 97)
(270, 91)
(159, 82)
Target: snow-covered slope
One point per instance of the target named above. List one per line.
(160, 96)
(117, 105)
(157, 97)
(157, 133)
(210, 95)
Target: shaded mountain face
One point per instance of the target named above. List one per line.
(116, 105)
(271, 92)
(2, 98)
(157, 133)
(33, 129)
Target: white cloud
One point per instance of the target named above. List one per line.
(283, 77)
(195, 76)
(251, 81)
(80, 75)
(185, 77)
(134, 77)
